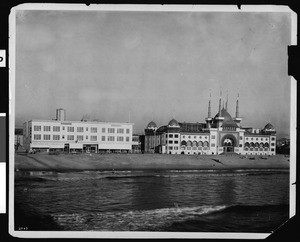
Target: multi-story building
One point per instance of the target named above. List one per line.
(220, 134)
(79, 136)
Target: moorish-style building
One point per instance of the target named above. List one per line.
(219, 134)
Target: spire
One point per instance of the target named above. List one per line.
(209, 106)
(220, 101)
(226, 106)
(237, 107)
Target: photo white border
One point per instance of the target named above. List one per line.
(141, 7)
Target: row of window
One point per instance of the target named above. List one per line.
(205, 137)
(79, 137)
(194, 148)
(80, 129)
(248, 138)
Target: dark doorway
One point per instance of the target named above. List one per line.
(228, 145)
(67, 148)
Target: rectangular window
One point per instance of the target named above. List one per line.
(272, 144)
(93, 138)
(37, 137)
(103, 138)
(111, 130)
(176, 142)
(176, 136)
(120, 131)
(103, 130)
(213, 145)
(213, 137)
(170, 147)
(56, 137)
(86, 137)
(127, 139)
(63, 137)
(176, 148)
(170, 141)
(111, 138)
(170, 135)
(87, 129)
(120, 138)
(56, 128)
(47, 128)
(93, 130)
(241, 145)
(70, 129)
(37, 128)
(241, 138)
(79, 137)
(127, 131)
(47, 136)
(272, 149)
(70, 137)
(80, 129)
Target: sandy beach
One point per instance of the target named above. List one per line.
(80, 162)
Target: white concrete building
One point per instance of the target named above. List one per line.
(79, 136)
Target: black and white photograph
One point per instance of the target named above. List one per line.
(151, 121)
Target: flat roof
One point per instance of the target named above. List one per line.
(81, 122)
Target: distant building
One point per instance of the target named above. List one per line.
(219, 134)
(18, 138)
(79, 136)
(136, 144)
(283, 146)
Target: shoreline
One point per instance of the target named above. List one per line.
(135, 162)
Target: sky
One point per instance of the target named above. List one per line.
(122, 66)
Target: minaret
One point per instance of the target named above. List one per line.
(209, 106)
(220, 101)
(209, 119)
(220, 118)
(237, 107)
(237, 119)
(226, 106)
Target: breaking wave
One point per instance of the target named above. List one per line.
(139, 220)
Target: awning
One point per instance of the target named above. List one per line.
(56, 146)
(76, 146)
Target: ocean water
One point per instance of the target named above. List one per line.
(172, 200)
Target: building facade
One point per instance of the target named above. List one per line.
(77, 136)
(218, 135)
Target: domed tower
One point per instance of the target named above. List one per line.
(152, 126)
(150, 137)
(173, 124)
(269, 129)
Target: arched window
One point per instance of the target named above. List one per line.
(266, 145)
(256, 145)
(247, 145)
(261, 145)
(183, 142)
(251, 145)
(200, 144)
(189, 143)
(205, 144)
(195, 143)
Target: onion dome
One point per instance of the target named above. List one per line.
(227, 121)
(173, 123)
(269, 127)
(152, 125)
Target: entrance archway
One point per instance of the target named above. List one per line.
(228, 143)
